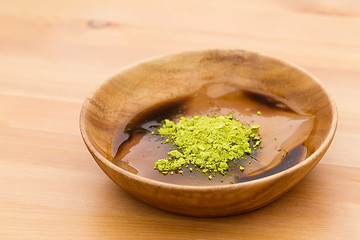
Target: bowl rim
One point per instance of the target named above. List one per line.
(226, 186)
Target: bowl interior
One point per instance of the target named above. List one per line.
(145, 84)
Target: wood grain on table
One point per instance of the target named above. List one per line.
(54, 53)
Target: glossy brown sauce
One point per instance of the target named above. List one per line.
(282, 132)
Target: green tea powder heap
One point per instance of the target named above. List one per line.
(207, 143)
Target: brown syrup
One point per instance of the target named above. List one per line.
(282, 132)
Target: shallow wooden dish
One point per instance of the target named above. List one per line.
(146, 83)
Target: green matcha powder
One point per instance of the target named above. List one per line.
(208, 144)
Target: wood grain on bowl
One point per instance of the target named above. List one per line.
(149, 82)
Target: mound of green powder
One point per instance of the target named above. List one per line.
(207, 143)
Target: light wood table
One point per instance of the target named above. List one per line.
(54, 53)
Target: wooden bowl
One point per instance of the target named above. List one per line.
(149, 82)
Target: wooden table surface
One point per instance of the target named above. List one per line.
(54, 53)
